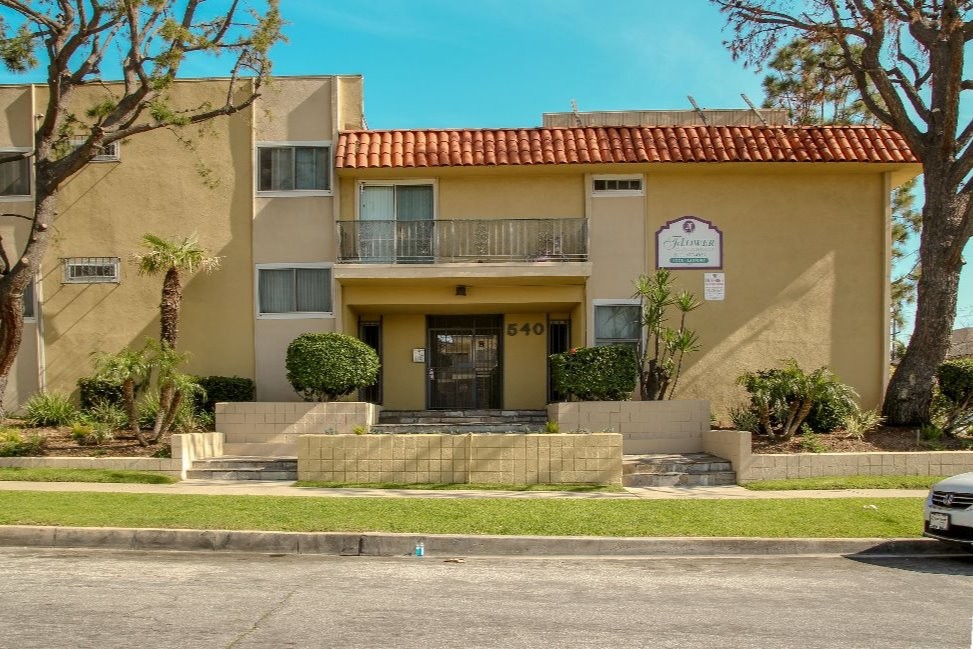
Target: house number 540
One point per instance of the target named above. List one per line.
(514, 328)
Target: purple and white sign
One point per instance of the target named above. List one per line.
(689, 242)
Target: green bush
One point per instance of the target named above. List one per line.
(91, 433)
(13, 444)
(49, 409)
(829, 413)
(608, 373)
(325, 366)
(223, 388)
(782, 399)
(106, 414)
(956, 379)
(92, 390)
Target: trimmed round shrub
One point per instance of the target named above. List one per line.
(608, 373)
(325, 366)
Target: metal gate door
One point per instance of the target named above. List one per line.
(464, 367)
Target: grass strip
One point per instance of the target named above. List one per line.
(452, 486)
(847, 482)
(83, 475)
(838, 517)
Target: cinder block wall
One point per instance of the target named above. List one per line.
(272, 428)
(646, 426)
(813, 465)
(473, 458)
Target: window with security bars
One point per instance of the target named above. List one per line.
(109, 152)
(294, 290)
(91, 270)
(293, 168)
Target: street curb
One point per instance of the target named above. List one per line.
(440, 545)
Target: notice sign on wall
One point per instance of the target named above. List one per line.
(714, 286)
(689, 242)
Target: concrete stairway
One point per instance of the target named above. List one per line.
(676, 470)
(242, 467)
(460, 421)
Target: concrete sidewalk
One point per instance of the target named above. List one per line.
(285, 488)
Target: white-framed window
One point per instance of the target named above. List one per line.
(91, 270)
(618, 185)
(15, 177)
(109, 152)
(293, 169)
(618, 322)
(294, 291)
(395, 220)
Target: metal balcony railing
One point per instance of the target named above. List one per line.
(443, 241)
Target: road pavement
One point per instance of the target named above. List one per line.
(106, 600)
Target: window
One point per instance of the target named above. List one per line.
(294, 168)
(29, 300)
(617, 186)
(109, 152)
(91, 270)
(298, 289)
(395, 222)
(15, 178)
(618, 323)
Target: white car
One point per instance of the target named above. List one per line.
(949, 510)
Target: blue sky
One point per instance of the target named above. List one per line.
(493, 63)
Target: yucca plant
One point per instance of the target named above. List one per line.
(663, 348)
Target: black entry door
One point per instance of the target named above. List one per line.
(464, 365)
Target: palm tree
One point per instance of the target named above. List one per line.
(129, 368)
(172, 258)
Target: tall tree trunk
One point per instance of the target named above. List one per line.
(20, 269)
(909, 393)
(169, 308)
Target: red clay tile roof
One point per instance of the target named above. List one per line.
(543, 146)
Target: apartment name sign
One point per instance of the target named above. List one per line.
(689, 242)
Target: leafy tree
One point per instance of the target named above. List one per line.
(809, 81)
(907, 60)
(148, 42)
(172, 258)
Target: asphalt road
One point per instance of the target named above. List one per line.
(104, 599)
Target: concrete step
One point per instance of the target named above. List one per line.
(244, 468)
(715, 479)
(455, 428)
(676, 469)
(451, 417)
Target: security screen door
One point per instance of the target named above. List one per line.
(464, 366)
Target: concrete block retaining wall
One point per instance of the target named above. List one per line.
(734, 445)
(645, 426)
(185, 449)
(471, 458)
(272, 428)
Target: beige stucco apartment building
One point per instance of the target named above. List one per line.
(466, 257)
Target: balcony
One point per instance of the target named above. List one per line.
(445, 241)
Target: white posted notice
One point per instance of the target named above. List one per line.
(714, 286)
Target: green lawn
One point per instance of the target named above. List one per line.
(83, 475)
(844, 517)
(847, 482)
(447, 486)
